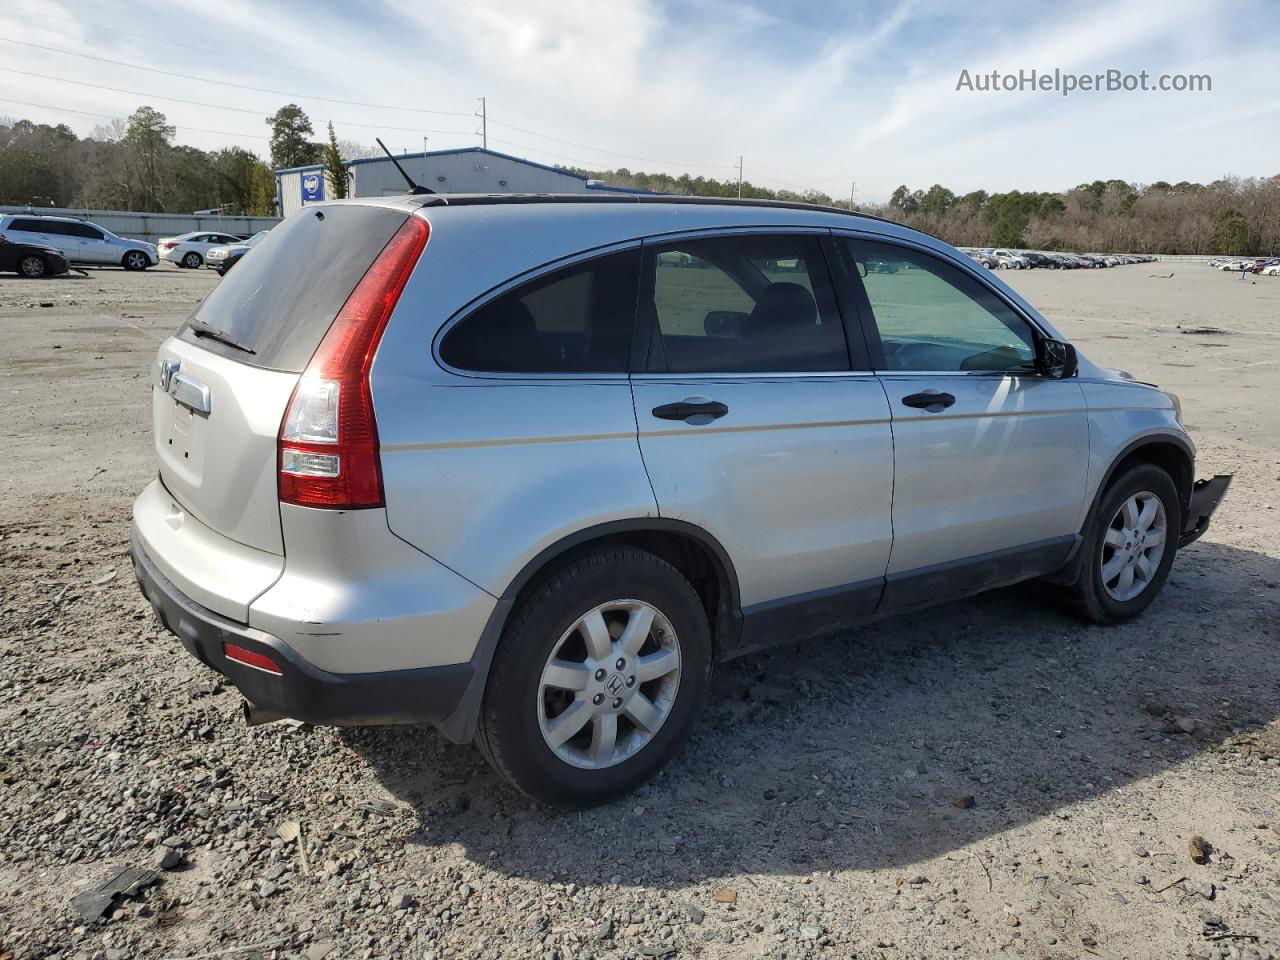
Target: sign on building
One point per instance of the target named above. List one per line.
(312, 187)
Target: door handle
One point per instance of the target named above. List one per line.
(931, 400)
(691, 410)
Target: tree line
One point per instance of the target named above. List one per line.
(1232, 216)
(133, 164)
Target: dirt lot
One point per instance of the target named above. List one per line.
(821, 809)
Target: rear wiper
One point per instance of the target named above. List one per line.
(202, 329)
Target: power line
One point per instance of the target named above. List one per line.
(149, 95)
(285, 93)
(107, 116)
(42, 17)
(612, 153)
(228, 83)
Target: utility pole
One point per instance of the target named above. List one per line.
(484, 125)
(852, 187)
(424, 144)
(739, 176)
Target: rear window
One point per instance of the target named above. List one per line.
(282, 296)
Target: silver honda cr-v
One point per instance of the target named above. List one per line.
(527, 467)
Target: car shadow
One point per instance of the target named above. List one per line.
(861, 749)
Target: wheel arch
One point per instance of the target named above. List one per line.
(698, 555)
(1169, 451)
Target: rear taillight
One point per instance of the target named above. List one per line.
(328, 449)
(167, 246)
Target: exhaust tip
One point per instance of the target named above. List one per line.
(255, 716)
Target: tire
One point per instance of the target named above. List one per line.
(1097, 595)
(33, 267)
(518, 717)
(193, 261)
(135, 260)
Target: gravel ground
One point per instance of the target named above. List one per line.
(990, 777)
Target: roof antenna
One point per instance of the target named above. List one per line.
(413, 187)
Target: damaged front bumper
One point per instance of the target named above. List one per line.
(1205, 497)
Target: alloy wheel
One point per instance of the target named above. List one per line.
(32, 267)
(609, 684)
(1133, 546)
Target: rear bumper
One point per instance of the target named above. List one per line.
(302, 690)
(1205, 497)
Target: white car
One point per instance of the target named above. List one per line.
(192, 249)
(1272, 271)
(1009, 260)
(79, 241)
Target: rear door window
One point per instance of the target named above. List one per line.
(281, 301)
(574, 320)
(743, 304)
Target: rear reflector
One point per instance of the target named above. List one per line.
(328, 449)
(259, 661)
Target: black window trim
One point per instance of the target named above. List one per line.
(475, 304)
(859, 362)
(872, 332)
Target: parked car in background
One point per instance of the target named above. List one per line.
(396, 486)
(190, 249)
(224, 258)
(1008, 260)
(79, 241)
(31, 260)
(1260, 266)
(1038, 260)
(1272, 271)
(985, 259)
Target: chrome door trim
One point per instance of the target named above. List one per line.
(185, 391)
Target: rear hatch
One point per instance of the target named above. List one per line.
(222, 383)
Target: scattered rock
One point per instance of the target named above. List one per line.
(1199, 848)
(318, 951)
(810, 932)
(166, 858)
(963, 803)
(725, 895)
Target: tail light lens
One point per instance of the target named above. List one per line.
(328, 447)
(167, 246)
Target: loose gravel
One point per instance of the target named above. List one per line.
(991, 777)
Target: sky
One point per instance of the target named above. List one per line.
(837, 96)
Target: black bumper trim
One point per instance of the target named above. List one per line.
(1205, 497)
(303, 691)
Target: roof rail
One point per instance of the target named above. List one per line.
(483, 199)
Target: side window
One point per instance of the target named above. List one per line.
(84, 230)
(55, 228)
(575, 320)
(25, 226)
(743, 304)
(934, 317)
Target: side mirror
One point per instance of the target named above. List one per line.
(1055, 359)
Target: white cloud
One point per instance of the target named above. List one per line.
(863, 93)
